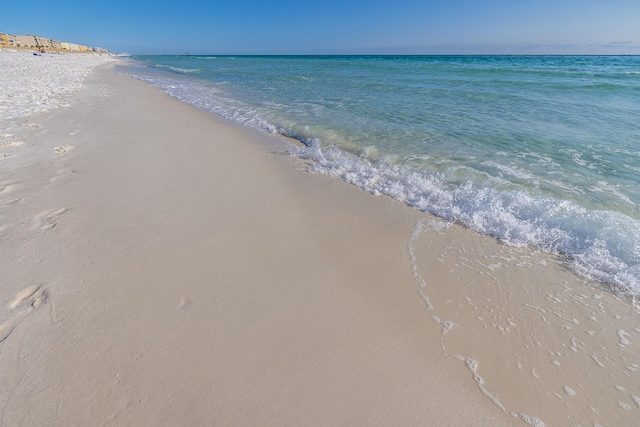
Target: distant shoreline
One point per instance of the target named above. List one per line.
(50, 50)
(382, 55)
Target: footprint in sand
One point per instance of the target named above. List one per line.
(27, 299)
(33, 296)
(62, 173)
(10, 144)
(75, 132)
(11, 201)
(50, 220)
(7, 187)
(30, 125)
(5, 330)
(61, 149)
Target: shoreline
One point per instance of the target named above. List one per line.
(185, 274)
(515, 195)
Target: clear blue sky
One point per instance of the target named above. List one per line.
(333, 26)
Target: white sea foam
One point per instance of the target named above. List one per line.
(179, 70)
(605, 187)
(31, 84)
(512, 171)
(593, 240)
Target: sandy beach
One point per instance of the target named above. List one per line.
(163, 266)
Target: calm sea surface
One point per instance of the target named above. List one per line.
(535, 150)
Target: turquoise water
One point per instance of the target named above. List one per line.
(534, 150)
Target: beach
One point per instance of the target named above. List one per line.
(164, 266)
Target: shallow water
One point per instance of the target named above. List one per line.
(534, 150)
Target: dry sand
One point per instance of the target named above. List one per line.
(164, 267)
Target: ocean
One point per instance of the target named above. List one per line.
(540, 151)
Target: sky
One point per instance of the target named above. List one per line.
(334, 26)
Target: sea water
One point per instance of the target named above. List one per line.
(534, 150)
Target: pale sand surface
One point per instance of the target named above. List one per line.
(164, 267)
(34, 84)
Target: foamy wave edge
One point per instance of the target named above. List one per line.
(178, 70)
(598, 245)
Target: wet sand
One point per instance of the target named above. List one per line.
(166, 267)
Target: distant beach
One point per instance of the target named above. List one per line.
(42, 44)
(168, 262)
(32, 85)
